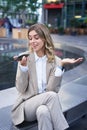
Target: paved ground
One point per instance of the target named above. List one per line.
(80, 125)
(77, 41)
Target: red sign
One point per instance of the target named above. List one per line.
(53, 6)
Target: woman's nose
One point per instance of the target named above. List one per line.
(32, 41)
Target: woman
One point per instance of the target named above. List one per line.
(38, 82)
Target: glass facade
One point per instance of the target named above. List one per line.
(71, 9)
(76, 8)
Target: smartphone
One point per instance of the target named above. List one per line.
(18, 58)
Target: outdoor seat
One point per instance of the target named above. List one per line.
(73, 99)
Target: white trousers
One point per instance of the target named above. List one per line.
(46, 109)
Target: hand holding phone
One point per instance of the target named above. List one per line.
(19, 57)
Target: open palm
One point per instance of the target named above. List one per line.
(71, 60)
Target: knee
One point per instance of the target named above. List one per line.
(42, 111)
(52, 94)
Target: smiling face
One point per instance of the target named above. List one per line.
(36, 43)
(40, 41)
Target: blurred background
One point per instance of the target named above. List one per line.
(61, 16)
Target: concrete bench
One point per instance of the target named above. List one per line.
(73, 99)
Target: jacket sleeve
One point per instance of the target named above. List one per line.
(54, 81)
(22, 80)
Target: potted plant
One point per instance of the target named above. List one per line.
(85, 22)
(61, 30)
(74, 23)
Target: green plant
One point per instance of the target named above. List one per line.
(74, 22)
(21, 8)
(85, 21)
(61, 30)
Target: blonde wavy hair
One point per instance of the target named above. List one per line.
(44, 34)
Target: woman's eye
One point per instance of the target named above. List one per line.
(30, 38)
(37, 37)
(34, 37)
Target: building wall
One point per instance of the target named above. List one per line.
(72, 8)
(54, 16)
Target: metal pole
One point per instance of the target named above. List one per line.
(65, 14)
(46, 16)
(83, 8)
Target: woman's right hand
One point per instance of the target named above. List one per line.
(23, 60)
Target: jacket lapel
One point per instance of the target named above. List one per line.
(48, 70)
(32, 67)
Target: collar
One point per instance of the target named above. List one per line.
(39, 58)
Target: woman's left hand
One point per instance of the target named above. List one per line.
(71, 61)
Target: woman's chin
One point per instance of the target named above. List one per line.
(36, 49)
